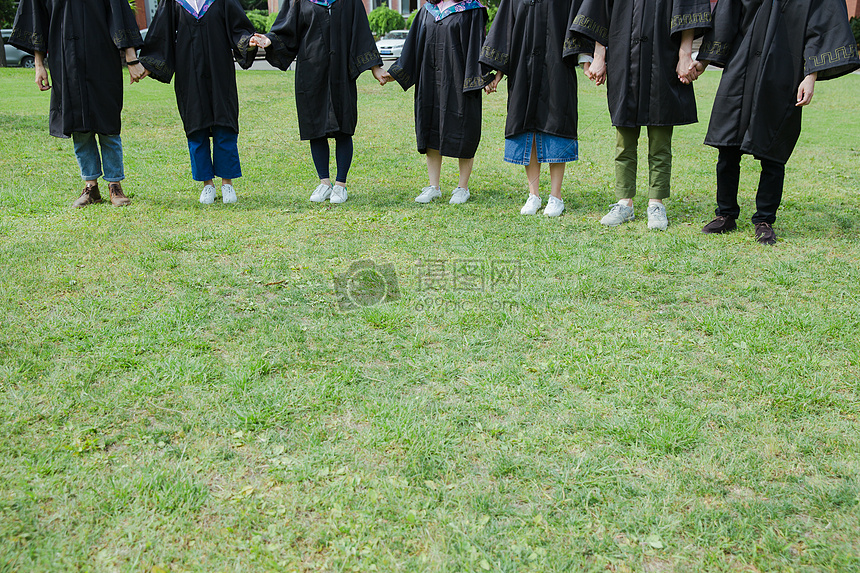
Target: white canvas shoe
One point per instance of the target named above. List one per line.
(532, 205)
(228, 194)
(428, 194)
(554, 207)
(207, 197)
(321, 193)
(459, 196)
(338, 194)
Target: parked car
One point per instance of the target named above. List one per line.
(14, 57)
(391, 44)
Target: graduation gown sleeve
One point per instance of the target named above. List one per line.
(158, 56)
(285, 35)
(363, 53)
(407, 68)
(32, 26)
(496, 51)
(830, 47)
(240, 30)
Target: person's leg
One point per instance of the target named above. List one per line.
(434, 167)
(87, 154)
(343, 155)
(556, 177)
(225, 160)
(659, 174)
(533, 171)
(767, 200)
(201, 163)
(533, 203)
(465, 171)
(728, 180)
(659, 162)
(320, 155)
(769, 194)
(111, 147)
(626, 149)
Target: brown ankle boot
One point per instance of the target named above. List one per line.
(89, 196)
(117, 197)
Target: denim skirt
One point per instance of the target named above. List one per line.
(550, 148)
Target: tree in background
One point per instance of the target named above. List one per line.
(7, 13)
(855, 27)
(383, 19)
(255, 5)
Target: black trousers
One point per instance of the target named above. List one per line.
(770, 186)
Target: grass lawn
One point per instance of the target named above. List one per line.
(183, 391)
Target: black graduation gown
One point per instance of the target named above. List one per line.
(643, 38)
(82, 40)
(200, 53)
(441, 60)
(526, 42)
(767, 47)
(332, 46)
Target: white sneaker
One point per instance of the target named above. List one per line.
(554, 207)
(428, 194)
(228, 194)
(338, 194)
(207, 197)
(532, 205)
(657, 218)
(459, 196)
(321, 193)
(620, 213)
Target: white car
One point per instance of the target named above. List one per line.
(391, 44)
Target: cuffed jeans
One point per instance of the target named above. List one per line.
(659, 161)
(223, 159)
(91, 162)
(770, 186)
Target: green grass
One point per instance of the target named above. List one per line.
(181, 391)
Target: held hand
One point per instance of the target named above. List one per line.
(137, 72)
(493, 85)
(381, 75)
(42, 78)
(598, 71)
(806, 89)
(260, 41)
(686, 69)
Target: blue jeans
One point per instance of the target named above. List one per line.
(222, 161)
(87, 152)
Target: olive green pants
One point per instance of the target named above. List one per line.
(659, 161)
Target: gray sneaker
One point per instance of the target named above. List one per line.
(657, 218)
(620, 213)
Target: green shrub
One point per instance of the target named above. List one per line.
(271, 20)
(260, 20)
(411, 19)
(855, 27)
(383, 19)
